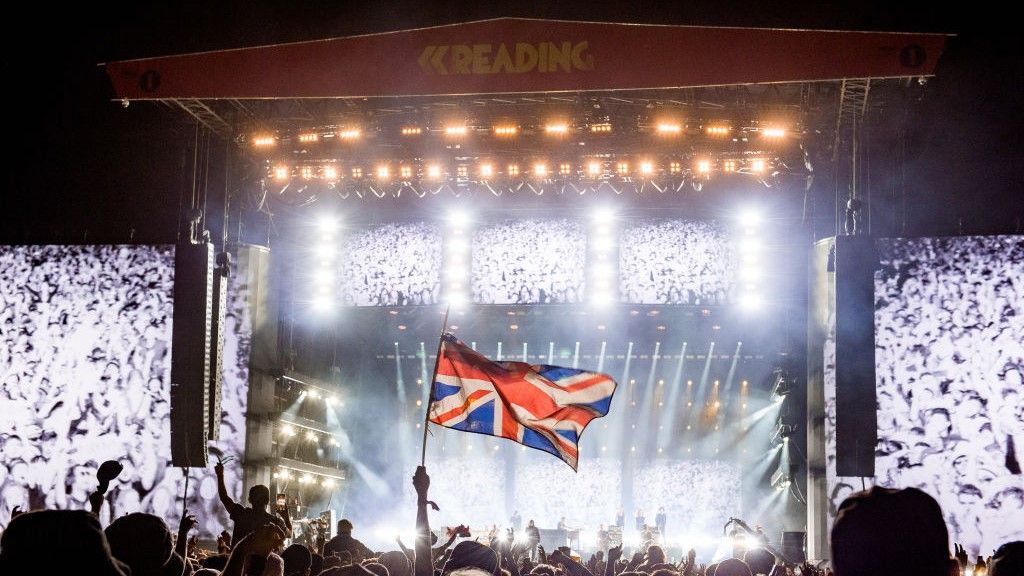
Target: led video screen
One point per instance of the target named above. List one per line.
(675, 261)
(949, 354)
(85, 360)
(395, 264)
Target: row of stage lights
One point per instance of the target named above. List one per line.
(665, 129)
(289, 431)
(456, 275)
(485, 171)
(284, 473)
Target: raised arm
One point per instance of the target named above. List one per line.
(188, 521)
(424, 565)
(222, 490)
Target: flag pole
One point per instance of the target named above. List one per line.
(430, 397)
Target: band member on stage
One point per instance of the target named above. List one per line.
(517, 521)
(532, 539)
(602, 539)
(620, 518)
(562, 525)
(641, 520)
(660, 519)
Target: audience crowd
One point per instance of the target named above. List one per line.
(529, 261)
(675, 262)
(391, 265)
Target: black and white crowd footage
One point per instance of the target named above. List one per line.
(949, 353)
(85, 365)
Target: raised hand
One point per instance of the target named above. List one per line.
(421, 482)
(188, 522)
(614, 553)
(961, 556)
(15, 512)
(219, 469)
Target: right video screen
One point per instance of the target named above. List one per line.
(949, 355)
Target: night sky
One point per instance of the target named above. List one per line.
(86, 169)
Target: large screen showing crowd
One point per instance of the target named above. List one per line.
(539, 261)
(949, 353)
(86, 362)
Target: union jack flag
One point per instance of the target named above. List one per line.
(540, 406)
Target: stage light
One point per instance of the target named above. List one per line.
(757, 165)
(750, 273)
(486, 170)
(458, 219)
(601, 128)
(306, 478)
(646, 168)
(513, 169)
(556, 129)
(330, 173)
(717, 130)
(455, 130)
(349, 134)
(750, 217)
(357, 172)
(669, 128)
(462, 171)
(332, 400)
(602, 243)
(311, 436)
(729, 166)
(264, 141)
(675, 167)
(505, 130)
(433, 171)
(750, 301)
(309, 138)
(601, 299)
(457, 245)
(412, 131)
(565, 168)
(405, 172)
(704, 167)
(327, 223)
(622, 168)
(287, 430)
(327, 483)
(383, 172)
(281, 172)
(306, 172)
(749, 246)
(284, 474)
(323, 276)
(457, 299)
(773, 132)
(594, 168)
(540, 170)
(315, 394)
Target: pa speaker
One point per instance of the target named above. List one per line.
(793, 546)
(191, 339)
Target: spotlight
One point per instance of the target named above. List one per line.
(556, 129)
(675, 167)
(349, 134)
(462, 171)
(323, 276)
(433, 171)
(327, 483)
(757, 165)
(646, 168)
(332, 400)
(594, 169)
(601, 299)
(311, 436)
(412, 131)
(457, 299)
(486, 170)
(565, 168)
(750, 301)
(323, 303)
(622, 168)
(750, 217)
(405, 172)
(505, 130)
(330, 173)
(383, 172)
(264, 141)
(773, 132)
(309, 138)
(540, 170)
(729, 166)
(717, 130)
(357, 172)
(669, 128)
(306, 478)
(513, 169)
(281, 173)
(288, 430)
(455, 130)
(306, 172)
(601, 128)
(704, 167)
(457, 245)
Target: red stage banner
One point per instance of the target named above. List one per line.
(514, 55)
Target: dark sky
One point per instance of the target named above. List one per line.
(85, 168)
